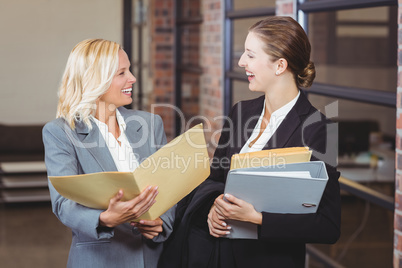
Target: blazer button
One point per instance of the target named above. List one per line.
(135, 231)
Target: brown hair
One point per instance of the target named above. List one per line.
(285, 38)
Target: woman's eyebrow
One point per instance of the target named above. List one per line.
(123, 68)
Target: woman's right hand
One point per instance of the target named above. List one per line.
(216, 223)
(120, 212)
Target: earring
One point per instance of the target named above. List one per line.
(277, 73)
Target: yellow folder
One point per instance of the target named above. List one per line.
(177, 168)
(272, 157)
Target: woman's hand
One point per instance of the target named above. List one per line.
(149, 229)
(236, 209)
(217, 225)
(120, 212)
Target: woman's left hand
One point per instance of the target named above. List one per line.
(149, 229)
(236, 209)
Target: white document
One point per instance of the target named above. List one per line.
(296, 174)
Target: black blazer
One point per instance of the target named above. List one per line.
(282, 237)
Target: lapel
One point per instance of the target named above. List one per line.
(290, 124)
(135, 133)
(250, 113)
(95, 144)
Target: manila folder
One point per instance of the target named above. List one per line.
(177, 168)
(292, 188)
(271, 157)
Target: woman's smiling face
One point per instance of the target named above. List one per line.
(258, 65)
(119, 92)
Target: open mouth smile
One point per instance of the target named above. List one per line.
(127, 91)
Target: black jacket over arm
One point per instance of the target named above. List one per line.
(282, 237)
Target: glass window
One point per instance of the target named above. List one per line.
(367, 233)
(358, 48)
(366, 139)
(249, 4)
(355, 48)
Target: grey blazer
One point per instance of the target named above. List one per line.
(81, 151)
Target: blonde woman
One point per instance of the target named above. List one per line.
(93, 132)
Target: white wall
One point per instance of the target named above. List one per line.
(36, 37)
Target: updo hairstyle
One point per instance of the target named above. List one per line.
(285, 38)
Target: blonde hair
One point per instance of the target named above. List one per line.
(89, 72)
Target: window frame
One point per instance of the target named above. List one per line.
(180, 23)
(303, 9)
(229, 75)
(377, 97)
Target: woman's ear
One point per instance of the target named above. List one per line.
(282, 65)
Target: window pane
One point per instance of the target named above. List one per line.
(242, 4)
(355, 48)
(241, 92)
(367, 235)
(366, 139)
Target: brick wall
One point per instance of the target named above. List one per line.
(163, 65)
(398, 153)
(162, 62)
(201, 46)
(211, 84)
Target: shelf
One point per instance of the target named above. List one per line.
(23, 167)
(31, 195)
(24, 181)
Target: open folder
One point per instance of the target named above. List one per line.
(177, 168)
(291, 188)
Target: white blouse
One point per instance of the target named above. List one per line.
(274, 122)
(123, 155)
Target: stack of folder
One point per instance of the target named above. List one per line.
(276, 181)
